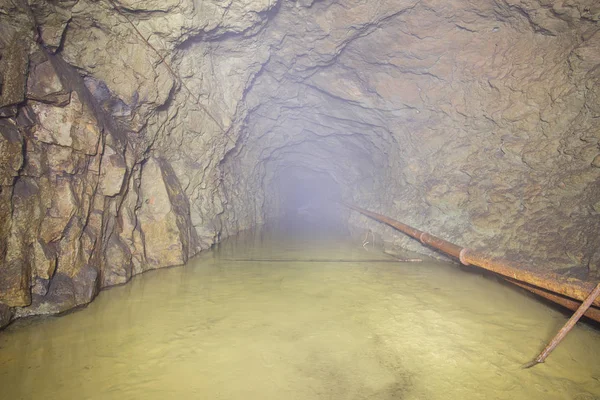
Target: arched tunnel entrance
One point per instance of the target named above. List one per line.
(303, 169)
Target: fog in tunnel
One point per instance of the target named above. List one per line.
(304, 181)
(305, 196)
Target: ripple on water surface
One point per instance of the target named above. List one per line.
(227, 327)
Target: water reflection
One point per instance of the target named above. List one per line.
(225, 329)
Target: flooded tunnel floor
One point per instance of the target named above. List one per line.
(227, 327)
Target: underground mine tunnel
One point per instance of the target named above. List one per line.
(360, 199)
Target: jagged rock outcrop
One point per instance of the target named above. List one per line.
(134, 134)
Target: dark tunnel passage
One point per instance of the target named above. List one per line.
(305, 178)
(308, 197)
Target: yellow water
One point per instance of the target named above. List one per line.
(226, 327)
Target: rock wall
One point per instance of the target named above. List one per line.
(477, 123)
(134, 134)
(95, 183)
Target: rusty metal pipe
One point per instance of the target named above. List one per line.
(441, 244)
(551, 282)
(573, 305)
(567, 286)
(423, 237)
(410, 231)
(566, 328)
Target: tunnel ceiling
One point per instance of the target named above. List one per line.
(476, 120)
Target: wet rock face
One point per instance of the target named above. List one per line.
(134, 134)
(476, 124)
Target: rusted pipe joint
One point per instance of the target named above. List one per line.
(462, 256)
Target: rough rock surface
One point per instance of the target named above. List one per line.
(134, 134)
